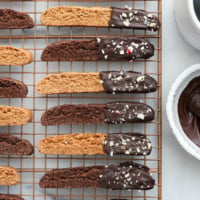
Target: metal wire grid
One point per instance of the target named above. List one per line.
(32, 168)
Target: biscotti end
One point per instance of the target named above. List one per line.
(12, 19)
(70, 82)
(8, 176)
(14, 56)
(76, 16)
(73, 144)
(11, 116)
(10, 197)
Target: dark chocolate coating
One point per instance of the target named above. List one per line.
(110, 113)
(127, 112)
(189, 110)
(133, 19)
(12, 19)
(10, 197)
(127, 81)
(127, 143)
(126, 176)
(11, 145)
(11, 88)
(99, 176)
(112, 49)
(130, 48)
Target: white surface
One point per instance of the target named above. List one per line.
(172, 109)
(181, 172)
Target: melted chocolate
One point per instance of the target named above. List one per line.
(124, 48)
(126, 176)
(127, 112)
(132, 18)
(127, 143)
(127, 81)
(189, 110)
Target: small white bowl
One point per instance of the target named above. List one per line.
(172, 109)
(187, 21)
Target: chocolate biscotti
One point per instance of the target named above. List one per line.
(124, 176)
(11, 145)
(105, 81)
(10, 197)
(14, 56)
(12, 19)
(11, 116)
(111, 49)
(100, 17)
(96, 143)
(110, 113)
(11, 88)
(8, 176)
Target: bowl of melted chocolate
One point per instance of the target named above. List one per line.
(183, 110)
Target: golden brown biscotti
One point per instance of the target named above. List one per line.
(105, 81)
(11, 116)
(96, 143)
(114, 17)
(14, 56)
(8, 176)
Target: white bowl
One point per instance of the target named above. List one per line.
(172, 109)
(187, 21)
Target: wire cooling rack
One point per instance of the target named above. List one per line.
(32, 168)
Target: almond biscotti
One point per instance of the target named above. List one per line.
(12, 19)
(100, 17)
(100, 49)
(14, 56)
(96, 143)
(109, 113)
(10, 197)
(12, 88)
(8, 176)
(105, 81)
(11, 116)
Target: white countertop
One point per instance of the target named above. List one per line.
(181, 172)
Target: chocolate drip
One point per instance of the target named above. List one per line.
(132, 18)
(126, 112)
(127, 81)
(189, 109)
(125, 48)
(126, 176)
(127, 143)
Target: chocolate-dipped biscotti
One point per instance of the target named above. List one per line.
(11, 88)
(124, 176)
(105, 81)
(96, 143)
(8, 176)
(109, 113)
(11, 116)
(111, 49)
(12, 19)
(100, 17)
(10, 197)
(14, 56)
(11, 145)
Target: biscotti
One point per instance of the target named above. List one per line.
(11, 88)
(14, 56)
(12, 19)
(96, 143)
(111, 49)
(11, 116)
(11, 145)
(10, 197)
(124, 176)
(8, 176)
(110, 113)
(100, 17)
(105, 81)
